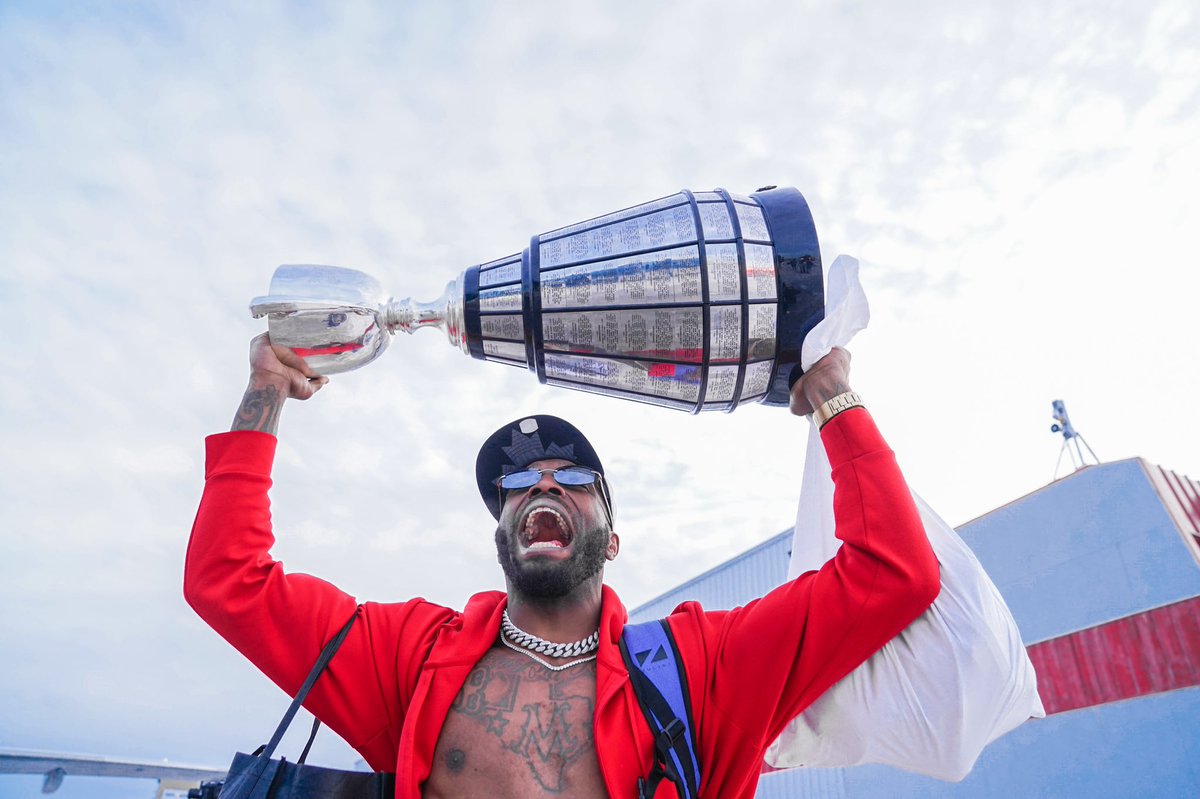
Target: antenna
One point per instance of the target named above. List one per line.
(1071, 439)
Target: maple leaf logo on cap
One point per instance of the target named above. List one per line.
(524, 450)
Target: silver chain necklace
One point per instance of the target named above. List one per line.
(513, 633)
(547, 664)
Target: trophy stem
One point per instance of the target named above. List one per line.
(446, 312)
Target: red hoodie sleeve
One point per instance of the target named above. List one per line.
(281, 621)
(769, 660)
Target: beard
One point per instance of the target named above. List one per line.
(542, 578)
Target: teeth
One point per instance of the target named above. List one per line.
(529, 520)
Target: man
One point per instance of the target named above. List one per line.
(524, 693)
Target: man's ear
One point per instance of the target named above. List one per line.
(614, 546)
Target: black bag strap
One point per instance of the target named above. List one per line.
(256, 780)
(326, 655)
(660, 683)
(312, 736)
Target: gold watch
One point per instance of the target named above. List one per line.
(832, 407)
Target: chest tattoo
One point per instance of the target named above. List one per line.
(543, 718)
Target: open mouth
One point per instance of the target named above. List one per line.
(545, 529)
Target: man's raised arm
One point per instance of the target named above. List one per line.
(279, 621)
(779, 653)
(230, 579)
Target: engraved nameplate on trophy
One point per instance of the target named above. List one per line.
(696, 301)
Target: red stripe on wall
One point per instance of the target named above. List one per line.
(1147, 653)
(1191, 502)
(1187, 496)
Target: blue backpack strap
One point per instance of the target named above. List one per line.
(658, 678)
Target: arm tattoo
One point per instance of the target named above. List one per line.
(259, 410)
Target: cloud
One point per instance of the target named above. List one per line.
(1017, 181)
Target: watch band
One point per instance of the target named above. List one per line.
(832, 407)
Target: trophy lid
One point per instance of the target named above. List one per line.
(801, 286)
(306, 287)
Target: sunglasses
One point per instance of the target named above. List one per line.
(567, 476)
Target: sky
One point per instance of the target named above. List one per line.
(1017, 180)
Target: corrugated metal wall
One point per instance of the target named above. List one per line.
(1181, 496)
(1147, 653)
(1092, 547)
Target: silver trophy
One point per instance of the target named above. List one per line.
(697, 301)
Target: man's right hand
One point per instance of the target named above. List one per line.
(276, 374)
(279, 366)
(824, 380)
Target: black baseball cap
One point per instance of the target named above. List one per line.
(520, 443)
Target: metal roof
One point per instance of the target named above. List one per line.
(733, 583)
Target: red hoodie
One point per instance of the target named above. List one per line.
(750, 670)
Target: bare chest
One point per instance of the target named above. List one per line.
(518, 729)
